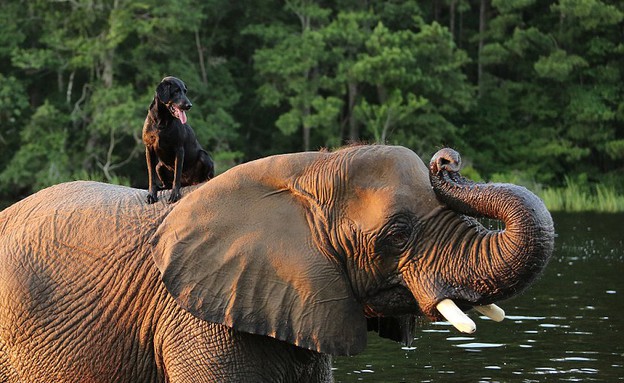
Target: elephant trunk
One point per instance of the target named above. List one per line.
(494, 264)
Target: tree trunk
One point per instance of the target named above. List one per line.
(386, 127)
(108, 68)
(482, 27)
(460, 34)
(436, 10)
(452, 17)
(70, 87)
(306, 128)
(200, 55)
(354, 127)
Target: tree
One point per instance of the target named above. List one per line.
(289, 67)
(550, 96)
(418, 82)
(13, 105)
(84, 48)
(42, 157)
(345, 37)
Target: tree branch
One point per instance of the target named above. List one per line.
(200, 54)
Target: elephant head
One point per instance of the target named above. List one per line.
(304, 247)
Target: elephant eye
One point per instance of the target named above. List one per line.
(398, 238)
(398, 235)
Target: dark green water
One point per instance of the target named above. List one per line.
(568, 327)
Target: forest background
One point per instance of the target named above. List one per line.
(529, 91)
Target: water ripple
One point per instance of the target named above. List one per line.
(480, 345)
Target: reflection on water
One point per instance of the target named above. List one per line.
(567, 328)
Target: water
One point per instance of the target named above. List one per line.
(568, 327)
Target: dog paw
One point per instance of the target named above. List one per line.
(152, 198)
(174, 197)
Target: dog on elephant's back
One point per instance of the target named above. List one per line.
(172, 152)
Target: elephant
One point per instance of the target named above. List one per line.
(261, 274)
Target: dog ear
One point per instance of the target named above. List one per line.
(162, 92)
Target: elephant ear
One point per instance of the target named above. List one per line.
(239, 251)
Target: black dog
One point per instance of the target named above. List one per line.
(171, 148)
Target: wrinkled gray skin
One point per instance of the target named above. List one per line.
(258, 275)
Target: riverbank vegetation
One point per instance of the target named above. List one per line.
(574, 197)
(526, 89)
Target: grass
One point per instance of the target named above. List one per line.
(578, 194)
(575, 197)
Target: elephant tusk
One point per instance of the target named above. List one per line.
(493, 312)
(456, 317)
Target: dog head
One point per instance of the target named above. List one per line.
(172, 92)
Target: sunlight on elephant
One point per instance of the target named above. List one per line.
(260, 274)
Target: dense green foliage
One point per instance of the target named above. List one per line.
(522, 88)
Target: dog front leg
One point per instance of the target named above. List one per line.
(177, 176)
(151, 159)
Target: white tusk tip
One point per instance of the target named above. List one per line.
(456, 317)
(492, 311)
(467, 328)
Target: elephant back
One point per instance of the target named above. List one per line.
(72, 262)
(82, 210)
